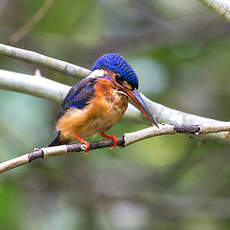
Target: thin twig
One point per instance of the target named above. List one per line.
(37, 17)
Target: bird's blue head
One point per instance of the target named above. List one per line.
(117, 64)
(126, 79)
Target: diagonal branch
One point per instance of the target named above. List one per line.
(43, 61)
(221, 7)
(127, 139)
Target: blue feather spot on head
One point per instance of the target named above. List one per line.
(116, 63)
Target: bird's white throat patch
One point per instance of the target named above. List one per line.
(97, 73)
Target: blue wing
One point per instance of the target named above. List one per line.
(79, 95)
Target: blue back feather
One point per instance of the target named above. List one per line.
(79, 95)
(116, 63)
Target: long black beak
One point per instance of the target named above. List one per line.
(137, 99)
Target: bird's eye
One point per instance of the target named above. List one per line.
(119, 78)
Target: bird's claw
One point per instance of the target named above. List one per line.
(112, 138)
(114, 143)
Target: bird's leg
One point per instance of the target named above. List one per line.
(110, 137)
(83, 142)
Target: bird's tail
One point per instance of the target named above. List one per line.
(56, 141)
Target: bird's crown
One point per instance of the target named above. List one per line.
(116, 63)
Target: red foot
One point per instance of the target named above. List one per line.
(83, 142)
(110, 137)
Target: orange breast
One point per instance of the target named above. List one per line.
(104, 110)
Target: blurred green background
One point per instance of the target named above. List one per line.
(180, 51)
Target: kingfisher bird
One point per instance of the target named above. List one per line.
(98, 101)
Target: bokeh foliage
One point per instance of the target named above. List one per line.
(181, 54)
